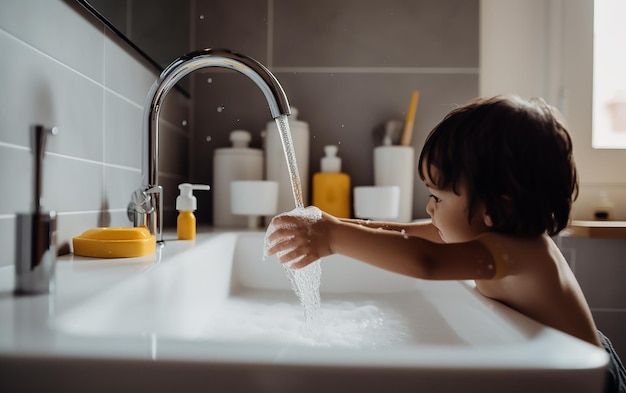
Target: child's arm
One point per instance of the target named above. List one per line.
(389, 250)
(424, 230)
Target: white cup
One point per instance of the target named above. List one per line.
(377, 202)
(253, 198)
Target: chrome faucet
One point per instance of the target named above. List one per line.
(147, 204)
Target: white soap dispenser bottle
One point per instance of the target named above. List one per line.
(238, 162)
(186, 204)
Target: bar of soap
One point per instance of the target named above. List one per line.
(114, 242)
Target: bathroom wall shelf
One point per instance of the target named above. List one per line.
(598, 229)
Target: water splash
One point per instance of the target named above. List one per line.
(306, 281)
(354, 323)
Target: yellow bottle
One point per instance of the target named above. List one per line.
(186, 204)
(331, 187)
(186, 225)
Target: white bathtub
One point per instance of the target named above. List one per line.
(211, 315)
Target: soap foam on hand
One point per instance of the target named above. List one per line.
(310, 215)
(305, 282)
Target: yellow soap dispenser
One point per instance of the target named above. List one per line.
(186, 204)
(331, 187)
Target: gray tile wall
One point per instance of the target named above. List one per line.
(61, 67)
(600, 267)
(347, 66)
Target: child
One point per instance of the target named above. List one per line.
(502, 181)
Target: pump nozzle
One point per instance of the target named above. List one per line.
(186, 201)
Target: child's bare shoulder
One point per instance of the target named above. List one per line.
(522, 255)
(540, 284)
(535, 269)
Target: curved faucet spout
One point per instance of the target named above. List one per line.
(184, 65)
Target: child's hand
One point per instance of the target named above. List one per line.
(299, 237)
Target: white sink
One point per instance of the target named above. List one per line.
(214, 314)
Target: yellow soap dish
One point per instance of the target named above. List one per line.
(114, 243)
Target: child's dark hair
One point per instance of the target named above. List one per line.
(510, 154)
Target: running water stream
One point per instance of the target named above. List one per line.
(306, 281)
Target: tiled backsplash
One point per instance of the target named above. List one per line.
(61, 67)
(347, 66)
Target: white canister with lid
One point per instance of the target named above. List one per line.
(238, 162)
(276, 164)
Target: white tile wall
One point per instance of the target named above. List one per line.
(54, 29)
(61, 67)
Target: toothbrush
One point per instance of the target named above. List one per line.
(407, 133)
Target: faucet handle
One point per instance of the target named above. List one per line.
(144, 204)
(141, 201)
(139, 206)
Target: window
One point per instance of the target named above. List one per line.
(609, 75)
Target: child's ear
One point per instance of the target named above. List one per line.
(487, 219)
(507, 211)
